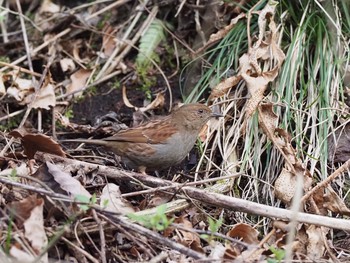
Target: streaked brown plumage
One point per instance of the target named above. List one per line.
(160, 143)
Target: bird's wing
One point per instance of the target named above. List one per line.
(153, 132)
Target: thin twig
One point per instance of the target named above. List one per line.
(152, 190)
(327, 181)
(156, 237)
(25, 38)
(102, 237)
(35, 189)
(82, 251)
(112, 62)
(20, 69)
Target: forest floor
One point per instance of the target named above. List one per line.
(88, 69)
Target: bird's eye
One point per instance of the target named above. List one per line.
(200, 111)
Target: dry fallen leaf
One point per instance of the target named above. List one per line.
(244, 232)
(44, 99)
(79, 78)
(67, 64)
(69, 184)
(334, 203)
(264, 51)
(189, 239)
(34, 228)
(112, 201)
(285, 184)
(19, 88)
(24, 92)
(47, 8)
(224, 86)
(29, 214)
(108, 40)
(158, 102)
(37, 142)
(315, 245)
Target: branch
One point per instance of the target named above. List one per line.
(203, 196)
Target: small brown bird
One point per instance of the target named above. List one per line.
(160, 143)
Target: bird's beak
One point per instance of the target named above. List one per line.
(216, 115)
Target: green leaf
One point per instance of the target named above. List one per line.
(148, 43)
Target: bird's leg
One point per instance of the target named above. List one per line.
(142, 170)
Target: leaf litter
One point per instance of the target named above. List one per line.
(90, 203)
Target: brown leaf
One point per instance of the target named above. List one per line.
(319, 200)
(189, 239)
(67, 64)
(286, 183)
(22, 209)
(79, 78)
(224, 86)
(69, 184)
(222, 32)
(115, 203)
(244, 232)
(315, 245)
(44, 98)
(285, 186)
(29, 214)
(256, 87)
(158, 102)
(108, 40)
(334, 203)
(37, 142)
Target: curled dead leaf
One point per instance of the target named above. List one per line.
(44, 99)
(21, 209)
(23, 90)
(285, 186)
(158, 102)
(108, 40)
(67, 64)
(334, 203)
(112, 201)
(19, 87)
(222, 32)
(224, 86)
(66, 182)
(189, 239)
(29, 214)
(37, 142)
(315, 245)
(78, 82)
(244, 232)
